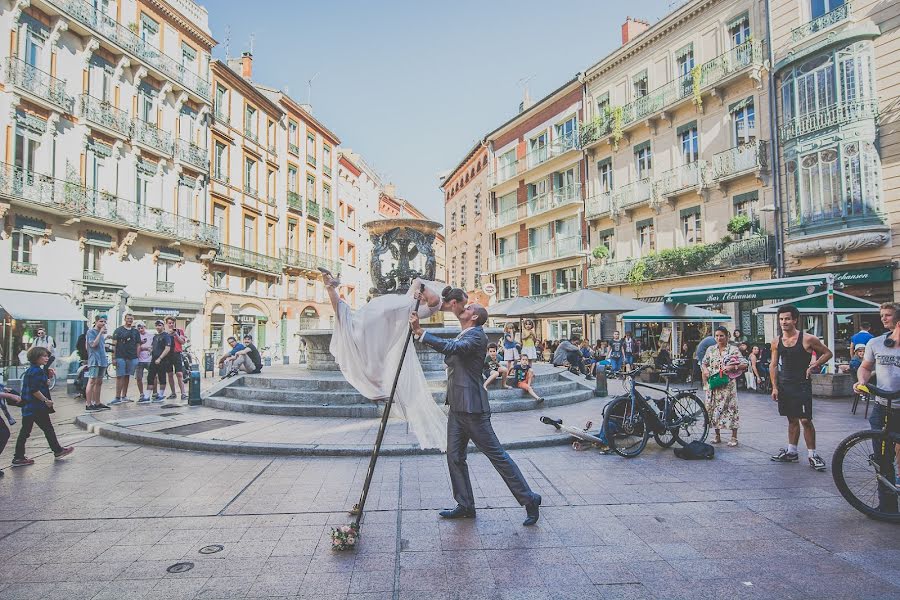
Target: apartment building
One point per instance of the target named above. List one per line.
(536, 226)
(678, 153)
(392, 206)
(103, 195)
(466, 209)
(358, 190)
(837, 84)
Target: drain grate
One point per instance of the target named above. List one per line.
(199, 427)
(181, 567)
(212, 549)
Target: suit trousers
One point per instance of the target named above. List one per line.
(462, 427)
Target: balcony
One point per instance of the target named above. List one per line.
(221, 177)
(505, 217)
(752, 157)
(302, 261)
(555, 249)
(832, 116)
(313, 210)
(45, 88)
(680, 179)
(165, 287)
(311, 160)
(570, 194)
(839, 14)
(326, 170)
(221, 117)
(23, 268)
(250, 190)
(92, 276)
(273, 149)
(611, 273)
(711, 73)
(106, 116)
(251, 135)
(295, 201)
(599, 205)
(193, 155)
(152, 137)
(504, 173)
(503, 261)
(557, 147)
(71, 199)
(247, 259)
(631, 196)
(99, 23)
(328, 216)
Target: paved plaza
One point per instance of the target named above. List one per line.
(108, 521)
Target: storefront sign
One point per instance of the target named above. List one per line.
(245, 319)
(882, 274)
(164, 312)
(489, 288)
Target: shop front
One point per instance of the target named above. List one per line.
(186, 315)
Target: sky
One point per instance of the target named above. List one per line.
(412, 85)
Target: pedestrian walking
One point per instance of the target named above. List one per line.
(791, 385)
(510, 352)
(615, 352)
(752, 377)
(630, 348)
(126, 340)
(7, 397)
(719, 365)
(143, 364)
(160, 366)
(36, 408)
(98, 362)
(176, 374)
(42, 340)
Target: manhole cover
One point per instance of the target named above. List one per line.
(199, 427)
(212, 549)
(171, 414)
(180, 567)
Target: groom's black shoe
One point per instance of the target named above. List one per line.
(458, 513)
(532, 511)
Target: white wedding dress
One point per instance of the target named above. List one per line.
(367, 345)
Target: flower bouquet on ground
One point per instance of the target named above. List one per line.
(344, 537)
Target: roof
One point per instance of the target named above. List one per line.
(40, 306)
(247, 87)
(297, 108)
(500, 309)
(674, 313)
(537, 105)
(478, 145)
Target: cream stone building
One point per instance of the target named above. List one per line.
(358, 191)
(103, 192)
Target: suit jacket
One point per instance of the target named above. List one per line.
(464, 357)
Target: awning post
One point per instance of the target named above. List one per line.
(832, 330)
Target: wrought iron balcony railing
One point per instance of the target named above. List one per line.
(295, 201)
(555, 198)
(328, 216)
(841, 13)
(599, 205)
(23, 268)
(123, 37)
(248, 259)
(632, 195)
(104, 114)
(220, 176)
(292, 259)
(744, 158)
(250, 190)
(273, 149)
(153, 137)
(193, 155)
(680, 179)
(832, 116)
(311, 160)
(221, 116)
(70, 198)
(294, 149)
(313, 210)
(26, 77)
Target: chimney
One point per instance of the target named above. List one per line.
(247, 64)
(632, 28)
(390, 190)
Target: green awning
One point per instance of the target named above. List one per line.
(818, 304)
(768, 289)
(880, 274)
(674, 313)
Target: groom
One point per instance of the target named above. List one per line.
(470, 415)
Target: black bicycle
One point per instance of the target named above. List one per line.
(678, 416)
(864, 467)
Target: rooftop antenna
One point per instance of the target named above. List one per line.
(252, 41)
(309, 83)
(523, 83)
(227, 42)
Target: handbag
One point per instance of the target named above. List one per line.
(718, 380)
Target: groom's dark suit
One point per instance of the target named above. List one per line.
(470, 417)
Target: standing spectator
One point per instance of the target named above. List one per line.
(861, 337)
(630, 348)
(887, 312)
(528, 339)
(143, 364)
(45, 341)
(126, 340)
(98, 362)
(510, 353)
(177, 374)
(568, 352)
(615, 352)
(160, 365)
(752, 375)
(36, 408)
(859, 354)
(6, 396)
(492, 368)
(738, 337)
(791, 386)
(721, 393)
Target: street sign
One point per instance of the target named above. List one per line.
(489, 288)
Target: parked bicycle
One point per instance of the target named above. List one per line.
(864, 467)
(678, 416)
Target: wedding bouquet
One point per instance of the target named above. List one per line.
(344, 537)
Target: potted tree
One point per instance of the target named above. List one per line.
(601, 254)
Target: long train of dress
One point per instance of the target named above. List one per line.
(367, 345)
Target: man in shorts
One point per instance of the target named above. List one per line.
(160, 365)
(615, 352)
(143, 364)
(98, 362)
(125, 340)
(791, 384)
(175, 374)
(883, 356)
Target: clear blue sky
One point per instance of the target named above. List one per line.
(411, 85)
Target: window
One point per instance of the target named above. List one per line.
(476, 208)
(326, 195)
(605, 175)
(509, 288)
(566, 135)
(817, 8)
(92, 255)
(607, 238)
(691, 226)
(143, 175)
(311, 149)
(463, 271)
(250, 176)
(643, 161)
(221, 106)
(145, 101)
(270, 185)
(462, 216)
(35, 36)
(293, 137)
(453, 221)
(100, 75)
(453, 271)
(351, 217)
(326, 245)
(310, 188)
(748, 205)
(565, 187)
(540, 284)
(250, 123)
(292, 178)
(188, 58)
(163, 268)
(743, 121)
(690, 143)
(218, 280)
(218, 219)
(478, 266)
(602, 104)
(220, 162)
(640, 85)
(351, 254)
(249, 233)
(22, 244)
(739, 30)
(270, 135)
(27, 144)
(684, 64)
(149, 31)
(186, 196)
(507, 165)
(646, 237)
(568, 280)
(537, 149)
(311, 241)
(270, 238)
(292, 235)
(249, 284)
(326, 158)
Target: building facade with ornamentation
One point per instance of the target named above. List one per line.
(103, 189)
(678, 151)
(466, 209)
(358, 191)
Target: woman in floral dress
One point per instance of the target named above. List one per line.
(722, 402)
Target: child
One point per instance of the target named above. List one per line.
(510, 352)
(36, 408)
(6, 395)
(492, 367)
(524, 376)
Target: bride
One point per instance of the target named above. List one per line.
(367, 345)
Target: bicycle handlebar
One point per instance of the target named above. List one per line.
(872, 390)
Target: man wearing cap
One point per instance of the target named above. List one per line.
(160, 363)
(243, 357)
(861, 337)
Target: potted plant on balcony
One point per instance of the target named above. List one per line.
(739, 224)
(601, 253)
(696, 82)
(618, 118)
(133, 28)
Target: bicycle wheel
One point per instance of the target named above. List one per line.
(689, 420)
(855, 470)
(51, 382)
(625, 429)
(667, 437)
